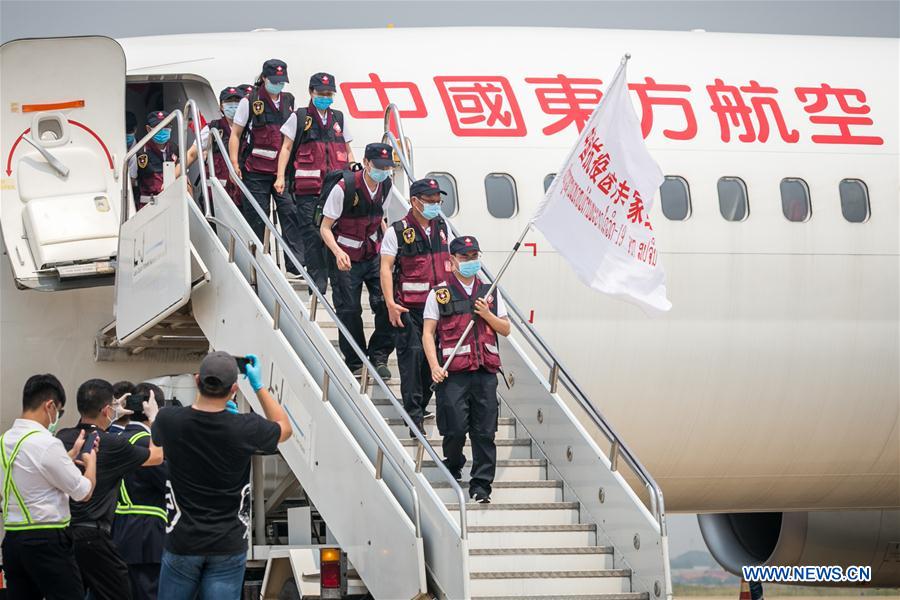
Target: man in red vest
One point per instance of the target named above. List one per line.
(414, 258)
(467, 390)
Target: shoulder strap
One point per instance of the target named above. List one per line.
(349, 189)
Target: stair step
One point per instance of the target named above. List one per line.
(506, 448)
(580, 558)
(506, 427)
(503, 583)
(509, 491)
(513, 513)
(388, 410)
(507, 470)
(532, 536)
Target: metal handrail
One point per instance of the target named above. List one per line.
(368, 367)
(175, 115)
(195, 117)
(543, 350)
(331, 374)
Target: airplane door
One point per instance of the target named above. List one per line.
(62, 137)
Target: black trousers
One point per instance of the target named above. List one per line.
(314, 249)
(467, 404)
(415, 374)
(346, 293)
(41, 564)
(144, 580)
(104, 573)
(261, 185)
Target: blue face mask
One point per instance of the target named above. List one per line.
(431, 211)
(274, 88)
(469, 268)
(379, 175)
(322, 102)
(162, 136)
(129, 139)
(229, 108)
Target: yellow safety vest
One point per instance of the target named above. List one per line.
(126, 507)
(10, 490)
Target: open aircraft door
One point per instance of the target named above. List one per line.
(62, 137)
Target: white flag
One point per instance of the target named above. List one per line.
(596, 212)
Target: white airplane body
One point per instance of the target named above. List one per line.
(772, 385)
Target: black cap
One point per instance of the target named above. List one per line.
(275, 70)
(153, 118)
(322, 82)
(247, 88)
(130, 121)
(231, 92)
(464, 244)
(380, 155)
(218, 371)
(424, 187)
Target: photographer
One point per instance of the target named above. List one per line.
(139, 529)
(208, 451)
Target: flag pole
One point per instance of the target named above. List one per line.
(625, 58)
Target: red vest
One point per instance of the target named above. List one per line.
(456, 309)
(150, 167)
(220, 161)
(358, 230)
(422, 262)
(263, 139)
(320, 149)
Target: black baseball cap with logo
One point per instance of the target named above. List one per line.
(155, 117)
(231, 92)
(464, 244)
(275, 70)
(322, 82)
(247, 88)
(380, 155)
(424, 187)
(218, 371)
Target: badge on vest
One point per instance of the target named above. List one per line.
(258, 107)
(409, 235)
(142, 160)
(307, 124)
(442, 295)
(337, 128)
(355, 200)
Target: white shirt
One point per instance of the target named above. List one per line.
(431, 304)
(334, 204)
(389, 243)
(43, 473)
(289, 129)
(242, 116)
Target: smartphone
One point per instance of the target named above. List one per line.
(89, 441)
(242, 362)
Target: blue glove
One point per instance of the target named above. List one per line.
(231, 406)
(254, 372)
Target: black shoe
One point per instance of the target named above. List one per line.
(383, 371)
(357, 371)
(481, 497)
(428, 415)
(421, 428)
(455, 473)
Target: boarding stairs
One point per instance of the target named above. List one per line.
(566, 521)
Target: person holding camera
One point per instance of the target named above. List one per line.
(139, 529)
(208, 450)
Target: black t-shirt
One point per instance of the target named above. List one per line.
(208, 454)
(115, 459)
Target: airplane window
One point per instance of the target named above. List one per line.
(795, 200)
(854, 200)
(733, 203)
(500, 190)
(675, 197)
(448, 184)
(548, 180)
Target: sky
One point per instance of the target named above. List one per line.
(38, 18)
